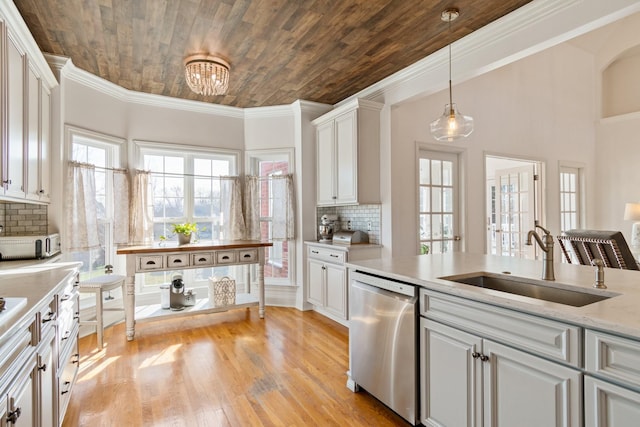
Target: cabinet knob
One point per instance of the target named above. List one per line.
(43, 367)
(475, 355)
(41, 191)
(484, 358)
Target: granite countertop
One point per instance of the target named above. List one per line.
(619, 314)
(37, 283)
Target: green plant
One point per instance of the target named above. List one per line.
(186, 228)
(424, 249)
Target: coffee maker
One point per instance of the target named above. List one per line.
(326, 228)
(179, 297)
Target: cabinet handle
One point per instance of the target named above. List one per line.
(333, 255)
(324, 268)
(66, 383)
(42, 367)
(247, 255)
(8, 181)
(67, 334)
(202, 259)
(225, 257)
(13, 416)
(315, 252)
(484, 358)
(177, 261)
(151, 263)
(334, 197)
(475, 355)
(65, 297)
(50, 318)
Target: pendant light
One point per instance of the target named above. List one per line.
(451, 125)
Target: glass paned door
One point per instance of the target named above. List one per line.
(515, 211)
(437, 202)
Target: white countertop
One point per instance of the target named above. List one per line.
(342, 246)
(36, 283)
(619, 314)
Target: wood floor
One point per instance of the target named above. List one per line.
(224, 369)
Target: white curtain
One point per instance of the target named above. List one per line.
(279, 194)
(233, 224)
(120, 206)
(141, 223)
(81, 221)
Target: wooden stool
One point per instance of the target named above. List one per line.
(99, 285)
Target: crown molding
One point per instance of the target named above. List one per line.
(72, 73)
(268, 112)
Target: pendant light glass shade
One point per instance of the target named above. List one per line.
(451, 125)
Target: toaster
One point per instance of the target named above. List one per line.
(29, 247)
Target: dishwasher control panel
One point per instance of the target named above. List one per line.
(398, 287)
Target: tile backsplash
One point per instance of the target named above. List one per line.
(360, 217)
(23, 219)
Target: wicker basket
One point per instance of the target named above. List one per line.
(222, 291)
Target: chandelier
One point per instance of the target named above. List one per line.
(451, 125)
(207, 75)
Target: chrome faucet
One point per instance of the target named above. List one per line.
(547, 249)
(599, 265)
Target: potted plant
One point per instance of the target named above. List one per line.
(185, 231)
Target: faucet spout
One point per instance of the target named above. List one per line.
(547, 249)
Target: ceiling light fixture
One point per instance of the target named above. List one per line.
(207, 75)
(451, 125)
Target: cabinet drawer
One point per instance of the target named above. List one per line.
(326, 254)
(177, 260)
(202, 259)
(546, 337)
(150, 262)
(248, 255)
(226, 257)
(613, 357)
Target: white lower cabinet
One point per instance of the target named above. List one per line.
(470, 381)
(21, 397)
(612, 399)
(608, 405)
(47, 380)
(328, 286)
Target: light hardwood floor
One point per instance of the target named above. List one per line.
(224, 369)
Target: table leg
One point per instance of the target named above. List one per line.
(261, 290)
(130, 300)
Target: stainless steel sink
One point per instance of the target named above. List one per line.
(528, 288)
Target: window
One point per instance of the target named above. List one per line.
(279, 258)
(186, 187)
(437, 212)
(569, 198)
(103, 152)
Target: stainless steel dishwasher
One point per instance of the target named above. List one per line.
(383, 341)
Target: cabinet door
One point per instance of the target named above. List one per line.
(336, 286)
(450, 378)
(44, 168)
(47, 378)
(33, 135)
(22, 402)
(347, 158)
(13, 177)
(316, 280)
(325, 164)
(609, 405)
(525, 390)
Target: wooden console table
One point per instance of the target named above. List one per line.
(146, 259)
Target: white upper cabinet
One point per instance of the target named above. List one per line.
(14, 137)
(348, 154)
(25, 117)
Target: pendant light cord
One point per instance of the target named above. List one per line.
(450, 89)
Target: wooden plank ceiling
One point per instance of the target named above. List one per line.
(279, 50)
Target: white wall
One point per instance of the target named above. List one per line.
(540, 108)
